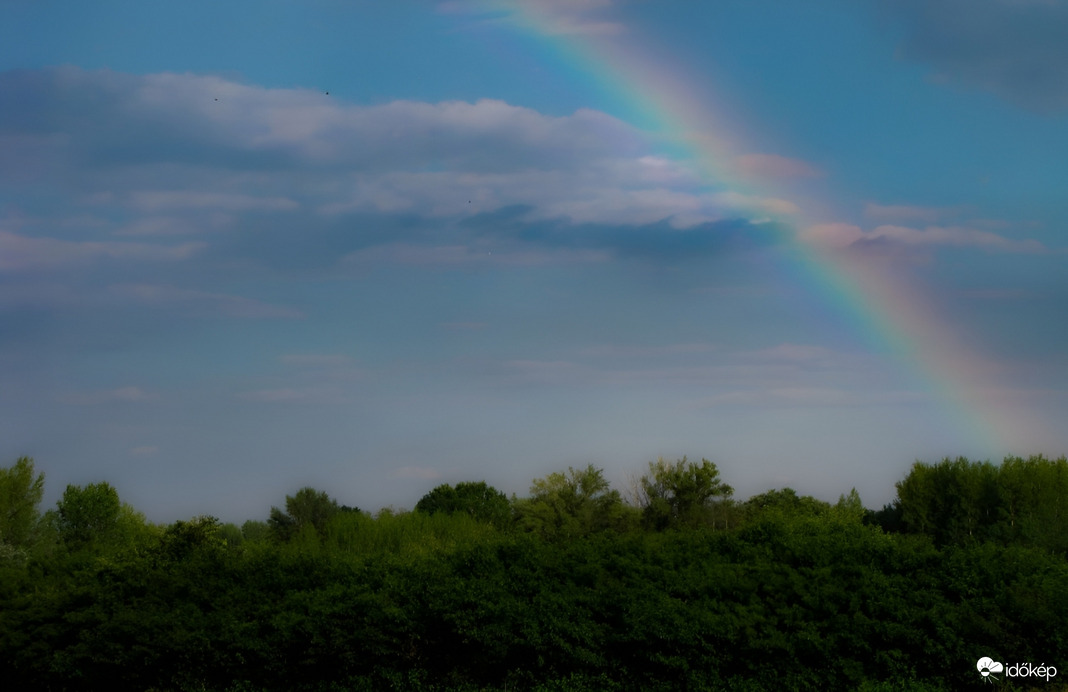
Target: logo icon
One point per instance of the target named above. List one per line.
(988, 666)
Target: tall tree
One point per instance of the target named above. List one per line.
(20, 498)
(308, 507)
(88, 514)
(575, 503)
(682, 493)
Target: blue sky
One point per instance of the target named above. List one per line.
(488, 254)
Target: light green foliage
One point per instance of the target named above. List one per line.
(92, 516)
(477, 500)
(682, 493)
(575, 503)
(849, 506)
(20, 496)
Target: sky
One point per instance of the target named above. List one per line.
(373, 247)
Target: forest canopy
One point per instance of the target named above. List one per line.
(674, 584)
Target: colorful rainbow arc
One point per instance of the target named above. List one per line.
(883, 308)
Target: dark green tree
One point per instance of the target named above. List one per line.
(784, 502)
(308, 507)
(253, 531)
(88, 514)
(954, 501)
(476, 499)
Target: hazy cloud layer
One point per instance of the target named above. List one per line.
(844, 235)
(1014, 48)
(773, 166)
(559, 17)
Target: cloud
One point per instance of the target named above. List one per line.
(1014, 48)
(178, 153)
(753, 204)
(627, 351)
(562, 17)
(162, 200)
(292, 180)
(805, 397)
(462, 255)
(97, 118)
(842, 235)
(202, 301)
(24, 253)
(798, 353)
(294, 395)
(326, 360)
(775, 167)
(894, 212)
(107, 396)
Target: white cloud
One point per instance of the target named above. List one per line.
(161, 200)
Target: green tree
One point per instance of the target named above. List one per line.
(88, 514)
(850, 506)
(954, 501)
(784, 502)
(682, 493)
(575, 503)
(308, 507)
(476, 499)
(20, 497)
(254, 531)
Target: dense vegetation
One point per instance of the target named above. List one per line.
(677, 587)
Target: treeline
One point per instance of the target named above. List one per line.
(672, 584)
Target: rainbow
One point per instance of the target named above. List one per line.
(884, 310)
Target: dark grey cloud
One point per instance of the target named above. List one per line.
(1017, 49)
(659, 241)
